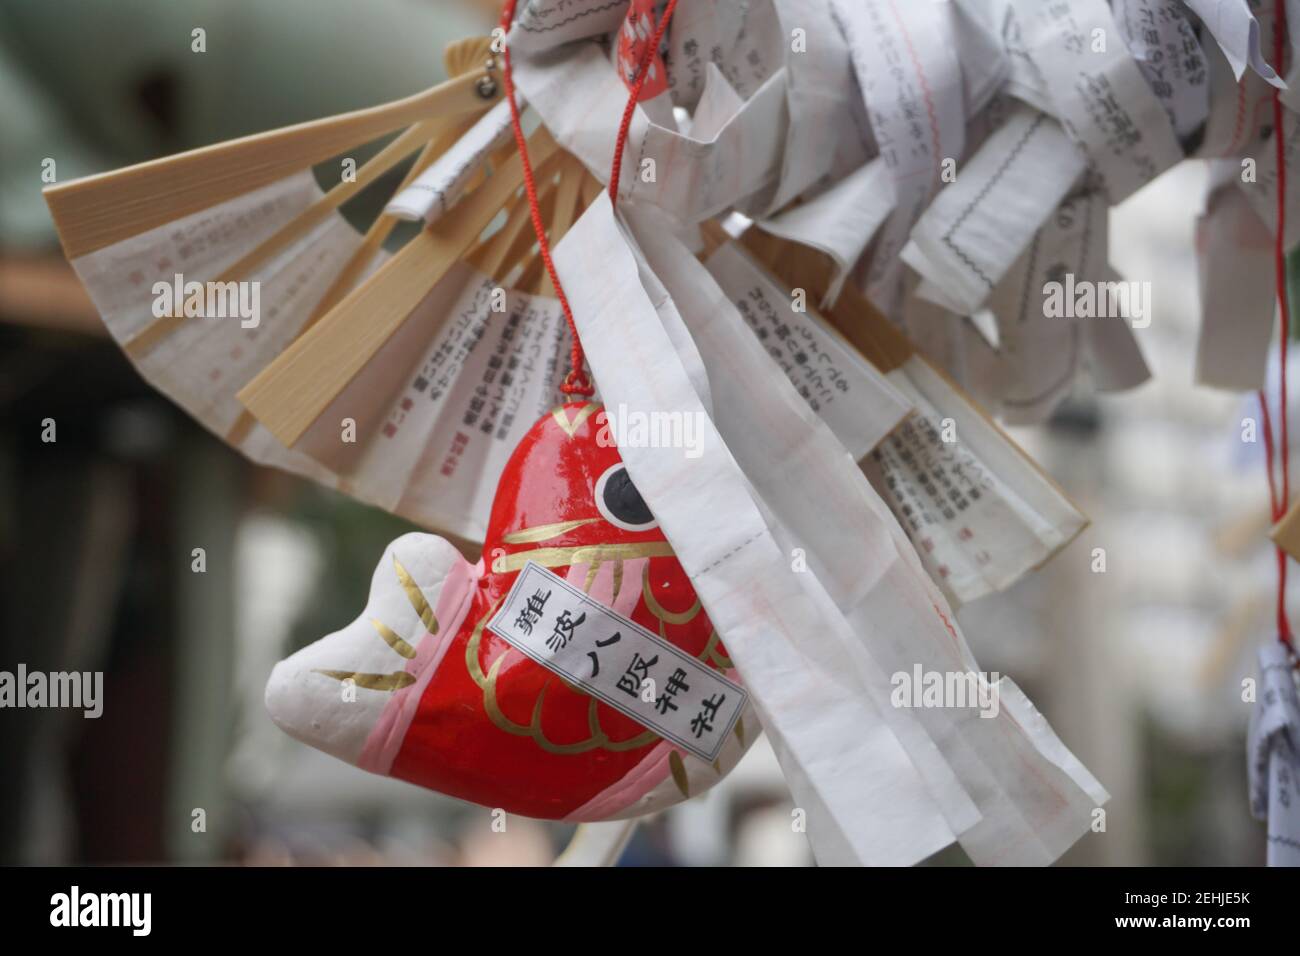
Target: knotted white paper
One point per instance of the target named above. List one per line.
(1273, 754)
(731, 544)
(977, 227)
(1238, 34)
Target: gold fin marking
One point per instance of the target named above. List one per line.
(416, 597)
(711, 654)
(392, 640)
(571, 427)
(615, 746)
(389, 682)
(542, 532)
(583, 554)
(679, 773)
(488, 684)
(592, 570)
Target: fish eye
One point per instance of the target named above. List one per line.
(620, 503)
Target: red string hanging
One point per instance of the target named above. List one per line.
(1279, 499)
(642, 71)
(576, 382)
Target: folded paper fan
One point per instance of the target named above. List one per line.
(225, 272)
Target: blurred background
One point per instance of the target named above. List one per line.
(1138, 668)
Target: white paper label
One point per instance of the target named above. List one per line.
(619, 662)
(1273, 768)
(436, 189)
(1162, 41)
(1233, 25)
(840, 386)
(441, 407)
(912, 86)
(1099, 93)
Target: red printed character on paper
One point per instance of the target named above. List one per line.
(637, 31)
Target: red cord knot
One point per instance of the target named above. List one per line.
(577, 383)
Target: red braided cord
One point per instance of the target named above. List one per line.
(576, 382)
(1280, 502)
(641, 72)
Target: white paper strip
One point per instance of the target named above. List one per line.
(689, 177)
(1236, 273)
(1042, 352)
(978, 226)
(856, 402)
(742, 40)
(643, 676)
(985, 64)
(1032, 799)
(1161, 39)
(546, 24)
(435, 190)
(1261, 191)
(861, 570)
(865, 801)
(1112, 358)
(911, 83)
(980, 514)
(1238, 34)
(819, 84)
(1241, 111)
(1099, 93)
(841, 220)
(1273, 767)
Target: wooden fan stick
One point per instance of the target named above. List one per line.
(155, 332)
(380, 230)
(502, 250)
(355, 266)
(566, 202)
(291, 392)
(591, 188)
(98, 211)
(460, 58)
(559, 216)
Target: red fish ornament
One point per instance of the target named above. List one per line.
(421, 688)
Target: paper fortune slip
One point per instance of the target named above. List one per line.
(613, 658)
